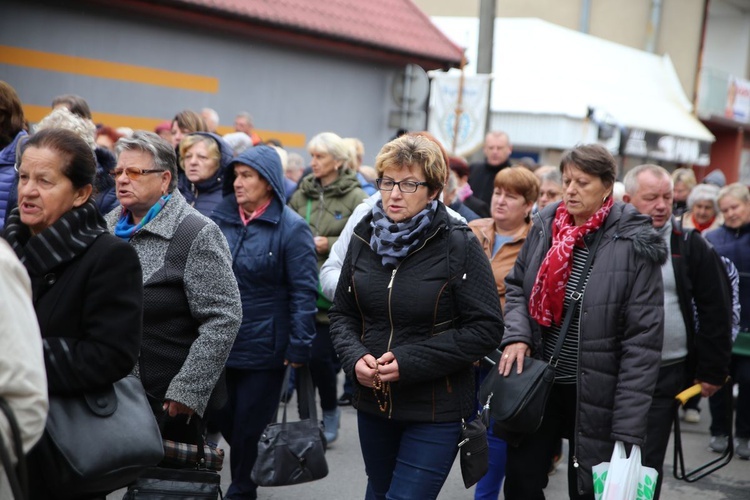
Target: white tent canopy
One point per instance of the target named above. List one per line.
(544, 69)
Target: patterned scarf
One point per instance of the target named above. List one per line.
(125, 229)
(394, 240)
(548, 293)
(70, 235)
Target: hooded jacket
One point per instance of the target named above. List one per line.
(273, 259)
(8, 177)
(204, 196)
(621, 332)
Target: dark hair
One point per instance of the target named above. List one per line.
(459, 165)
(109, 132)
(80, 164)
(11, 114)
(190, 121)
(75, 103)
(593, 159)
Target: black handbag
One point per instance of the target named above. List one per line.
(292, 452)
(158, 483)
(474, 451)
(17, 475)
(100, 442)
(517, 402)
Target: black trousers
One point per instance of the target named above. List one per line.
(528, 464)
(661, 418)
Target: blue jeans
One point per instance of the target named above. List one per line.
(488, 488)
(406, 460)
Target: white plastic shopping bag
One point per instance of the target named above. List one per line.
(623, 477)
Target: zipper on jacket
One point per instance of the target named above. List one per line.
(393, 275)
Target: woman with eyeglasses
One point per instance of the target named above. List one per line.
(204, 158)
(416, 306)
(325, 199)
(86, 284)
(192, 307)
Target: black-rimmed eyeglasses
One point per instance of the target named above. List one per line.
(403, 186)
(133, 173)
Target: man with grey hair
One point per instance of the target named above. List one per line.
(244, 123)
(497, 149)
(212, 119)
(695, 284)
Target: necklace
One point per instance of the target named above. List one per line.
(381, 388)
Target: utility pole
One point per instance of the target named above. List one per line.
(484, 47)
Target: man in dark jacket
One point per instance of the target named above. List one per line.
(694, 280)
(497, 149)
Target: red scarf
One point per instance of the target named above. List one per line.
(701, 227)
(548, 293)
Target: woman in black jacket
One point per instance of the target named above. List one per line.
(86, 283)
(416, 305)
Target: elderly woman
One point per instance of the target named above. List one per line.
(204, 158)
(326, 198)
(191, 302)
(86, 284)
(550, 189)
(611, 354)
(732, 240)
(276, 268)
(703, 209)
(501, 237)
(415, 306)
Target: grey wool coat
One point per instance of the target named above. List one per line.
(212, 296)
(622, 329)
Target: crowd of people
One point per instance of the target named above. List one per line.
(206, 264)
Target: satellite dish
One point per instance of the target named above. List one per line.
(411, 87)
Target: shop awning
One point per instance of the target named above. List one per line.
(544, 69)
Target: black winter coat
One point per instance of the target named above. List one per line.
(622, 329)
(437, 312)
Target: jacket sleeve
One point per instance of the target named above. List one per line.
(23, 381)
(107, 348)
(640, 352)
(346, 320)
(214, 299)
(479, 318)
(301, 269)
(329, 273)
(517, 319)
(713, 302)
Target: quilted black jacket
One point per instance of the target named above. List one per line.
(437, 311)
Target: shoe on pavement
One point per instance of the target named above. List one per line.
(718, 444)
(345, 399)
(331, 422)
(742, 448)
(691, 416)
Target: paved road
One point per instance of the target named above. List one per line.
(346, 479)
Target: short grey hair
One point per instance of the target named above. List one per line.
(631, 178)
(295, 163)
(247, 116)
(162, 153)
(704, 192)
(66, 119)
(211, 114)
(552, 175)
(238, 141)
(328, 142)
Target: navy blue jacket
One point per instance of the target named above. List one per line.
(8, 195)
(734, 244)
(275, 264)
(205, 195)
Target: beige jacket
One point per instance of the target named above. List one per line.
(23, 379)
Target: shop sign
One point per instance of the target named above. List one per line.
(668, 148)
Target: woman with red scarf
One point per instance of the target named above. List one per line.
(703, 209)
(610, 358)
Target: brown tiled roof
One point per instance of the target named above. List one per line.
(390, 29)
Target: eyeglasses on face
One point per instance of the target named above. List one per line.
(403, 186)
(133, 173)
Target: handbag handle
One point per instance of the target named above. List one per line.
(305, 395)
(17, 476)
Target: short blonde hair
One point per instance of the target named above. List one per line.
(414, 150)
(735, 190)
(686, 176)
(191, 140)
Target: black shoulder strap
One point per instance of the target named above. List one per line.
(185, 234)
(17, 476)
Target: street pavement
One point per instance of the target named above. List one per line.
(346, 478)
